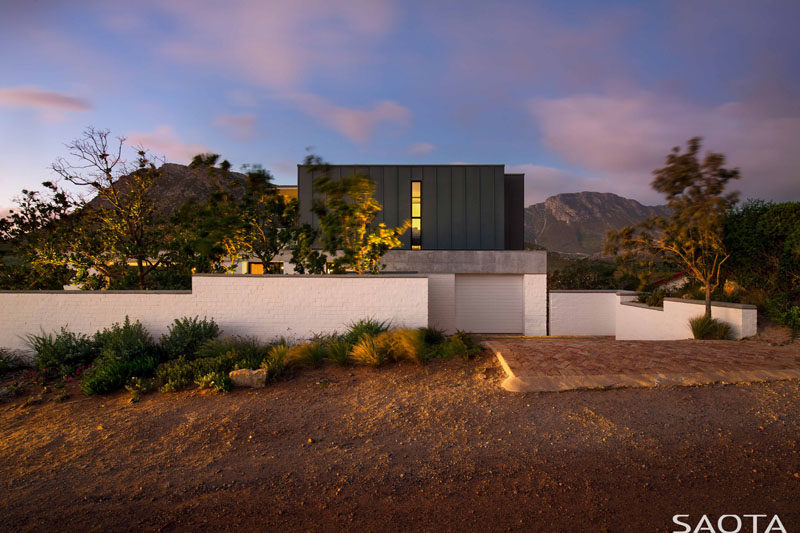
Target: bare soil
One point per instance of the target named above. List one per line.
(439, 447)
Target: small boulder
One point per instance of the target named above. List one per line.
(249, 378)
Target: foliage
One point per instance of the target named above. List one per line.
(589, 274)
(246, 352)
(121, 228)
(369, 351)
(366, 326)
(217, 381)
(346, 221)
(308, 353)
(136, 386)
(185, 336)
(26, 234)
(63, 353)
(707, 328)
(10, 361)
(692, 236)
(764, 241)
(338, 351)
(126, 351)
(789, 317)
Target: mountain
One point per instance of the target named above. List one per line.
(577, 222)
(180, 183)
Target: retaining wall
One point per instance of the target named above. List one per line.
(264, 307)
(617, 313)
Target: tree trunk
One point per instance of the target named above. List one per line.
(140, 268)
(708, 300)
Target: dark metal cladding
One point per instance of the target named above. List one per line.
(464, 207)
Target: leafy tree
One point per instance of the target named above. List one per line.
(121, 228)
(764, 241)
(346, 218)
(28, 231)
(266, 219)
(692, 236)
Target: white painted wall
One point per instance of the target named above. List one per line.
(534, 287)
(261, 306)
(589, 312)
(442, 301)
(610, 313)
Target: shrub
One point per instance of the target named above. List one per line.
(63, 353)
(432, 336)
(186, 335)
(308, 354)
(789, 317)
(126, 351)
(367, 351)
(706, 328)
(246, 352)
(217, 381)
(10, 361)
(338, 351)
(404, 344)
(277, 362)
(365, 326)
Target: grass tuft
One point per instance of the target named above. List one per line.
(706, 328)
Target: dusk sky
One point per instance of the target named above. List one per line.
(578, 95)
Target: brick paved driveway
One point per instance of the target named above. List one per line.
(552, 364)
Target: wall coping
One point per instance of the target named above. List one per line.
(78, 291)
(300, 276)
(713, 303)
(588, 291)
(642, 306)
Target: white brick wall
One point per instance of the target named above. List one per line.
(261, 306)
(442, 301)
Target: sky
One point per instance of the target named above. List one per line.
(577, 95)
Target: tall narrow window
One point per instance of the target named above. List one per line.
(416, 215)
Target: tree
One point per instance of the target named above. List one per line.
(28, 232)
(121, 228)
(346, 221)
(265, 219)
(692, 236)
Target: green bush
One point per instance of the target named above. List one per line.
(706, 328)
(308, 353)
(432, 336)
(126, 351)
(10, 361)
(365, 326)
(217, 381)
(367, 351)
(216, 356)
(338, 351)
(63, 353)
(789, 317)
(186, 335)
(278, 361)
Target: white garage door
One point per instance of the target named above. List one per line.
(489, 303)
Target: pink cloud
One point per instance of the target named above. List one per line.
(239, 127)
(422, 148)
(621, 139)
(34, 98)
(277, 44)
(164, 141)
(355, 124)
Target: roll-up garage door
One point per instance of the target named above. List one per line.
(489, 303)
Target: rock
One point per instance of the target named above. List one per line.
(249, 378)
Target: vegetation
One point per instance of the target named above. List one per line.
(186, 335)
(707, 328)
(691, 238)
(589, 274)
(346, 219)
(62, 354)
(10, 361)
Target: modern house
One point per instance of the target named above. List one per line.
(466, 236)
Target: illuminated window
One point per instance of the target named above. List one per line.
(275, 267)
(416, 215)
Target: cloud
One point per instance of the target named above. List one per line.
(276, 44)
(37, 99)
(355, 124)
(164, 141)
(622, 138)
(542, 182)
(421, 148)
(239, 127)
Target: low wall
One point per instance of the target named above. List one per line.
(617, 313)
(583, 312)
(264, 307)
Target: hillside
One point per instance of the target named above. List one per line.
(577, 222)
(181, 183)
